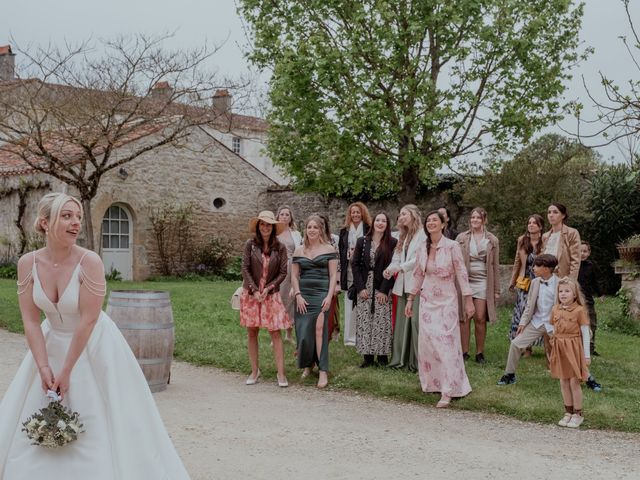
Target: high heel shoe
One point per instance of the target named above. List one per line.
(306, 372)
(323, 384)
(283, 383)
(444, 402)
(253, 380)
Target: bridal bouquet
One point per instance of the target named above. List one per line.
(54, 425)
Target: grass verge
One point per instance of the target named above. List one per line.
(208, 333)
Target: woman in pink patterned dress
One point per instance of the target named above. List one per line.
(264, 267)
(439, 264)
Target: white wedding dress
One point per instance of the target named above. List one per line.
(125, 438)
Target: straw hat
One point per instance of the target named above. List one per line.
(267, 217)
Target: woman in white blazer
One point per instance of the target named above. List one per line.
(405, 334)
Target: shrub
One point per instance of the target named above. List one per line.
(172, 226)
(113, 275)
(9, 270)
(614, 201)
(212, 256)
(233, 270)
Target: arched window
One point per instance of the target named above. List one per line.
(115, 228)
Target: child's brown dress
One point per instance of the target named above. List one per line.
(567, 352)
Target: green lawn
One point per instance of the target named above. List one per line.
(208, 333)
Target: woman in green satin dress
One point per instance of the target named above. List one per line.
(313, 279)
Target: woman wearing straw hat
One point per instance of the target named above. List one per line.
(264, 267)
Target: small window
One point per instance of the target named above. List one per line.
(236, 145)
(219, 202)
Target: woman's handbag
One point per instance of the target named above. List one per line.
(235, 298)
(523, 283)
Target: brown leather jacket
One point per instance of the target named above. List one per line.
(252, 267)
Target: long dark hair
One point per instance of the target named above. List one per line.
(384, 247)
(273, 243)
(526, 242)
(432, 212)
(562, 209)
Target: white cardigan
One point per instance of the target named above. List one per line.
(403, 263)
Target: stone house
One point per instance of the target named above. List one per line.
(220, 171)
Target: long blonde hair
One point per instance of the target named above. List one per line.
(407, 233)
(323, 229)
(49, 208)
(575, 288)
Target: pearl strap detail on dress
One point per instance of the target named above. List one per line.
(24, 284)
(96, 288)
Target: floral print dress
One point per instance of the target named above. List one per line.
(270, 313)
(440, 363)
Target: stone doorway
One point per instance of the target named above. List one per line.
(116, 239)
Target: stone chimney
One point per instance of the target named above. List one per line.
(222, 100)
(162, 91)
(7, 63)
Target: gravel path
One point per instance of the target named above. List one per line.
(226, 430)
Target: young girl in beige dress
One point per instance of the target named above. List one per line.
(570, 356)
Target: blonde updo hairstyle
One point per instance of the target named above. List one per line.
(49, 208)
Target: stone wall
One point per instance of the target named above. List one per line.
(305, 204)
(9, 204)
(223, 188)
(631, 285)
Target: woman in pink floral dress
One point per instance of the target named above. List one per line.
(439, 264)
(264, 267)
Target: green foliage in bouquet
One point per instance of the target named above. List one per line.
(53, 426)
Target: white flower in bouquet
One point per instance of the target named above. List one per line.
(53, 426)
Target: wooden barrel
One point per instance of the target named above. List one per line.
(145, 319)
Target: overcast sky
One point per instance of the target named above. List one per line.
(216, 21)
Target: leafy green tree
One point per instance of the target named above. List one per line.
(614, 203)
(552, 168)
(370, 97)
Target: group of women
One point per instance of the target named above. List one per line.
(455, 277)
(410, 296)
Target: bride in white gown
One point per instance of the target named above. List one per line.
(79, 351)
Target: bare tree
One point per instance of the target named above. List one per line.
(618, 115)
(72, 109)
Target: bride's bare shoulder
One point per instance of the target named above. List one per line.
(91, 262)
(25, 263)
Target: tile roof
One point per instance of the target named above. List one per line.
(13, 157)
(225, 122)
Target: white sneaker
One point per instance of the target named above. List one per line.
(576, 421)
(565, 420)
